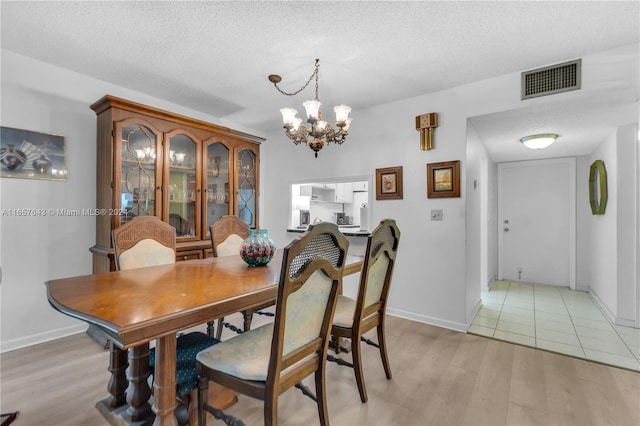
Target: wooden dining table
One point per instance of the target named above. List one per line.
(135, 307)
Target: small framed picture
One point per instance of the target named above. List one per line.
(32, 155)
(389, 183)
(443, 179)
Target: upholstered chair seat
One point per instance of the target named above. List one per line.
(188, 345)
(345, 307)
(245, 356)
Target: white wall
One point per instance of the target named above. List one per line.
(492, 222)
(603, 252)
(476, 238)
(627, 231)
(583, 224)
(481, 224)
(637, 209)
(613, 237)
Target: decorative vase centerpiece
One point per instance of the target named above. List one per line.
(258, 249)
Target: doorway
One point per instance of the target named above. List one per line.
(537, 221)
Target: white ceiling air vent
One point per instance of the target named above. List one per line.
(551, 80)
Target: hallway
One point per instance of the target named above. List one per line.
(555, 319)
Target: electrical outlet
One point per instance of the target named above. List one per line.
(436, 214)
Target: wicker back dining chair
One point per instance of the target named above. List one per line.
(353, 318)
(227, 236)
(264, 362)
(148, 241)
(144, 241)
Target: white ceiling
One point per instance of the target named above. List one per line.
(215, 56)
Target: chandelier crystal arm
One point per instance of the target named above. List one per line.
(298, 136)
(275, 79)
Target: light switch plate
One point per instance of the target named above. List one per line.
(436, 214)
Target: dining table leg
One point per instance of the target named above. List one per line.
(117, 385)
(138, 392)
(164, 383)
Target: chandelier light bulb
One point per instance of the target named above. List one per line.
(296, 124)
(342, 113)
(348, 123)
(288, 115)
(312, 107)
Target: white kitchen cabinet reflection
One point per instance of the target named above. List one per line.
(345, 201)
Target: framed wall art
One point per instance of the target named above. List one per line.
(389, 183)
(32, 155)
(443, 179)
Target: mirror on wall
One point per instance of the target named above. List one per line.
(598, 187)
(345, 201)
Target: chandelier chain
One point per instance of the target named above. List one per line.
(315, 74)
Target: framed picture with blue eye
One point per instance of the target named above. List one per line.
(26, 154)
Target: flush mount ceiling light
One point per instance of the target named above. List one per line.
(319, 130)
(539, 141)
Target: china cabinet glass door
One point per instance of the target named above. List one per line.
(138, 180)
(247, 182)
(183, 184)
(217, 195)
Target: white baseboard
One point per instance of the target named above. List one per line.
(439, 322)
(602, 306)
(34, 339)
(626, 322)
(473, 315)
(612, 317)
(493, 280)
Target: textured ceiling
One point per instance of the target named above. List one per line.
(215, 56)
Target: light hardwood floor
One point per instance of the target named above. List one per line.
(440, 377)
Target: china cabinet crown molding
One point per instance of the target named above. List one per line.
(109, 101)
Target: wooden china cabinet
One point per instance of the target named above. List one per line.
(187, 172)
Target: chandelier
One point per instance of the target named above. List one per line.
(319, 131)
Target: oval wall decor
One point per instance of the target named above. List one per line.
(598, 187)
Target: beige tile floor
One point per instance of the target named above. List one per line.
(558, 320)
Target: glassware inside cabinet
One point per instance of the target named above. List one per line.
(247, 186)
(182, 185)
(137, 187)
(217, 183)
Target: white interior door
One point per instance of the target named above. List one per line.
(536, 221)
